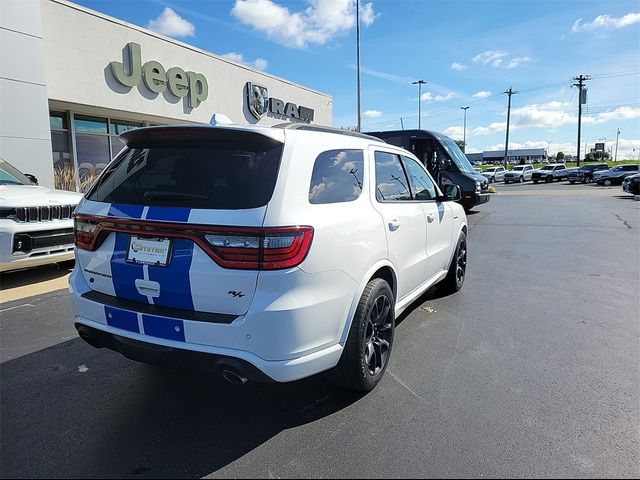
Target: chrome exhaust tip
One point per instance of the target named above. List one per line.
(234, 378)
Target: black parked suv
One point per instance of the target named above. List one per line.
(616, 175)
(631, 184)
(584, 174)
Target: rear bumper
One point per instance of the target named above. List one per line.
(168, 352)
(285, 336)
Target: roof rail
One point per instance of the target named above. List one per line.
(318, 128)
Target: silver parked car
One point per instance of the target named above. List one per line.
(494, 174)
(519, 173)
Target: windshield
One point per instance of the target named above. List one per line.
(517, 168)
(10, 175)
(459, 158)
(548, 167)
(492, 169)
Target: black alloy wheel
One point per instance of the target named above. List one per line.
(458, 267)
(607, 182)
(366, 353)
(549, 179)
(378, 336)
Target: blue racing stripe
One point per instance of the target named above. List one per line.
(125, 211)
(121, 319)
(124, 274)
(162, 327)
(175, 286)
(168, 214)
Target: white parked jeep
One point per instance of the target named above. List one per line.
(265, 253)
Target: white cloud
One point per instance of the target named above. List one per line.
(459, 66)
(457, 133)
(171, 24)
(516, 62)
(429, 97)
(372, 114)
(258, 64)
(500, 58)
(482, 94)
(318, 23)
(620, 113)
(605, 22)
(493, 57)
(494, 127)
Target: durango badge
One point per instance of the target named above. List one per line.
(257, 99)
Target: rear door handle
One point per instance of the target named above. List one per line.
(394, 225)
(147, 287)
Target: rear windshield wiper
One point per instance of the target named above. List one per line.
(174, 196)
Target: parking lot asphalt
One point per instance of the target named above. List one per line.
(531, 370)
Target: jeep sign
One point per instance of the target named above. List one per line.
(157, 79)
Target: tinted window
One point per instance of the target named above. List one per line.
(337, 176)
(391, 182)
(630, 167)
(421, 185)
(222, 170)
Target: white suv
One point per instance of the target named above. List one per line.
(35, 221)
(264, 253)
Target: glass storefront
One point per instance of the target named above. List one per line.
(96, 143)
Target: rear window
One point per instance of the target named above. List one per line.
(221, 170)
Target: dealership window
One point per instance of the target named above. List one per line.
(96, 143)
(62, 160)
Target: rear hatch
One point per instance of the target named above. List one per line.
(175, 220)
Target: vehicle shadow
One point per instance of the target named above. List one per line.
(29, 276)
(74, 411)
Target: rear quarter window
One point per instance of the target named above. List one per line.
(337, 176)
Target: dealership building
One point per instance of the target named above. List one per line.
(72, 80)
(523, 155)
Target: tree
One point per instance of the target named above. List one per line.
(460, 143)
(559, 156)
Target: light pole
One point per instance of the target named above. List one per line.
(358, 57)
(419, 83)
(464, 134)
(615, 159)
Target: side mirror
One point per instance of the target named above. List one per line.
(452, 193)
(32, 178)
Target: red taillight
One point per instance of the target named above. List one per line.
(85, 233)
(262, 248)
(244, 248)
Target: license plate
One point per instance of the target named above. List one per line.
(149, 251)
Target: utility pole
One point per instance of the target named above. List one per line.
(419, 83)
(615, 159)
(464, 135)
(582, 99)
(358, 57)
(506, 142)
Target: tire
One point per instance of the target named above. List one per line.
(458, 268)
(607, 182)
(584, 180)
(366, 354)
(521, 179)
(506, 182)
(493, 180)
(571, 182)
(535, 181)
(549, 179)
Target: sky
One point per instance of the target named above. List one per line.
(468, 53)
